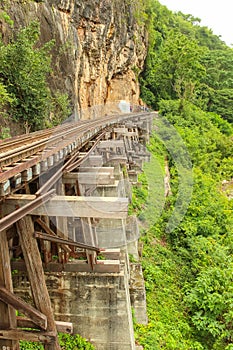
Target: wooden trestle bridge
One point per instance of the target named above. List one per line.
(47, 181)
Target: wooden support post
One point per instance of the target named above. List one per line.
(87, 231)
(36, 277)
(47, 245)
(49, 231)
(7, 313)
(18, 304)
(89, 239)
(62, 220)
(63, 327)
(34, 336)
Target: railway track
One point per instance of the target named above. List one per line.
(29, 155)
(13, 148)
(16, 142)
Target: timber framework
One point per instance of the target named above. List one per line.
(60, 192)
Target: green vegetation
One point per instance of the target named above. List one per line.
(186, 61)
(25, 95)
(66, 341)
(5, 133)
(188, 266)
(188, 271)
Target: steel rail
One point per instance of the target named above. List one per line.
(71, 165)
(6, 146)
(35, 147)
(67, 167)
(15, 141)
(49, 146)
(52, 134)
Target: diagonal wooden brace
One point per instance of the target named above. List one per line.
(17, 303)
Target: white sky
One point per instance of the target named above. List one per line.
(215, 14)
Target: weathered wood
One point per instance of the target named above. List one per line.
(87, 231)
(45, 246)
(118, 159)
(88, 178)
(7, 312)
(18, 304)
(121, 130)
(61, 220)
(93, 160)
(111, 144)
(36, 277)
(46, 237)
(63, 327)
(16, 214)
(71, 206)
(17, 334)
(89, 238)
(102, 266)
(49, 231)
(103, 169)
(126, 132)
(111, 254)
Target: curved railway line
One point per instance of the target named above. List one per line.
(44, 168)
(22, 152)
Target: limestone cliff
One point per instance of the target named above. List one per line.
(99, 47)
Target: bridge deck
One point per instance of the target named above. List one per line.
(36, 223)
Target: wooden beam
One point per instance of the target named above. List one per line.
(46, 237)
(111, 254)
(72, 206)
(96, 178)
(93, 160)
(50, 232)
(18, 213)
(103, 169)
(35, 336)
(111, 144)
(101, 266)
(125, 131)
(63, 327)
(18, 304)
(36, 276)
(7, 312)
(61, 221)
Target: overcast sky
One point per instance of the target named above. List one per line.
(216, 15)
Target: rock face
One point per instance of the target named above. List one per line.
(99, 48)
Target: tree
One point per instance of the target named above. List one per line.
(218, 82)
(179, 69)
(5, 99)
(24, 67)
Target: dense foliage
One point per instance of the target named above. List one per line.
(188, 269)
(186, 61)
(25, 95)
(66, 341)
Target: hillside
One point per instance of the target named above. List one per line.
(187, 257)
